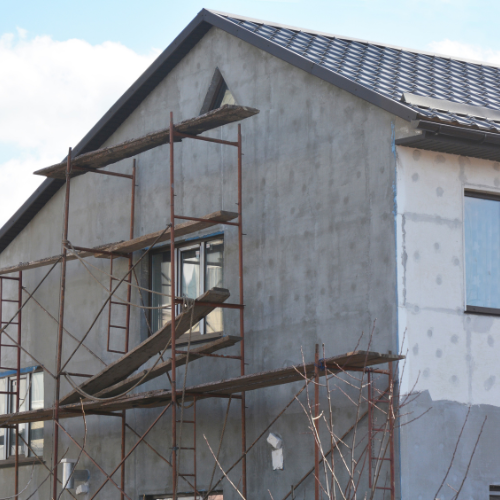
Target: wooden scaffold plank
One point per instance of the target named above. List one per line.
(353, 361)
(134, 359)
(160, 369)
(126, 247)
(106, 156)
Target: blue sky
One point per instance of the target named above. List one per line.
(63, 64)
(153, 23)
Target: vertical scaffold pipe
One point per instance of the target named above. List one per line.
(60, 331)
(19, 301)
(316, 423)
(242, 318)
(172, 302)
(391, 407)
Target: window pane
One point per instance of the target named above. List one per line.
(214, 278)
(162, 283)
(190, 270)
(224, 96)
(37, 390)
(36, 428)
(190, 276)
(211, 497)
(3, 411)
(23, 406)
(482, 252)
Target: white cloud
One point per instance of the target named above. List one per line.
(465, 51)
(51, 94)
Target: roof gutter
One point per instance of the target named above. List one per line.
(454, 140)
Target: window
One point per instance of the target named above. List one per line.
(223, 96)
(218, 94)
(200, 267)
(31, 398)
(494, 492)
(482, 252)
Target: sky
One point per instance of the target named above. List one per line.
(63, 64)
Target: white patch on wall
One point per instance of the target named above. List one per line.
(276, 442)
(452, 354)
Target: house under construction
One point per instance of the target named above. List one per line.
(209, 296)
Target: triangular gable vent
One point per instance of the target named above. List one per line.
(218, 94)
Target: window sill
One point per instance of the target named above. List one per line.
(491, 311)
(10, 462)
(196, 338)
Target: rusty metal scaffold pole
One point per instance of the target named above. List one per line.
(316, 423)
(174, 301)
(60, 325)
(18, 378)
(242, 318)
(373, 430)
(172, 311)
(129, 298)
(9, 392)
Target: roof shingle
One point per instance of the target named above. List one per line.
(392, 72)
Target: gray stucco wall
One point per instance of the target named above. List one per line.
(428, 449)
(319, 176)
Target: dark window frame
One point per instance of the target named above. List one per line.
(8, 458)
(179, 245)
(495, 489)
(161, 496)
(215, 93)
(488, 311)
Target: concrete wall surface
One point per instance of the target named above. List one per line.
(318, 196)
(452, 355)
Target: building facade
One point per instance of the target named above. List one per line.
(371, 223)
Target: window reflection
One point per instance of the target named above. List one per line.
(214, 278)
(482, 252)
(200, 267)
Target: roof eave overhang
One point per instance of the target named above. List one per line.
(454, 140)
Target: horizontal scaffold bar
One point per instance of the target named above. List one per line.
(353, 361)
(126, 247)
(102, 157)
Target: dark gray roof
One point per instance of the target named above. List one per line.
(377, 73)
(393, 71)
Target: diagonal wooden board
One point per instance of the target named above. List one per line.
(106, 156)
(125, 247)
(166, 366)
(134, 359)
(353, 361)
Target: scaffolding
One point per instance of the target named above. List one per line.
(108, 392)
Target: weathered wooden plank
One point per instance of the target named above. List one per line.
(179, 230)
(131, 245)
(166, 366)
(134, 359)
(106, 156)
(158, 398)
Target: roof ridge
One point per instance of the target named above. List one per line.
(351, 39)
